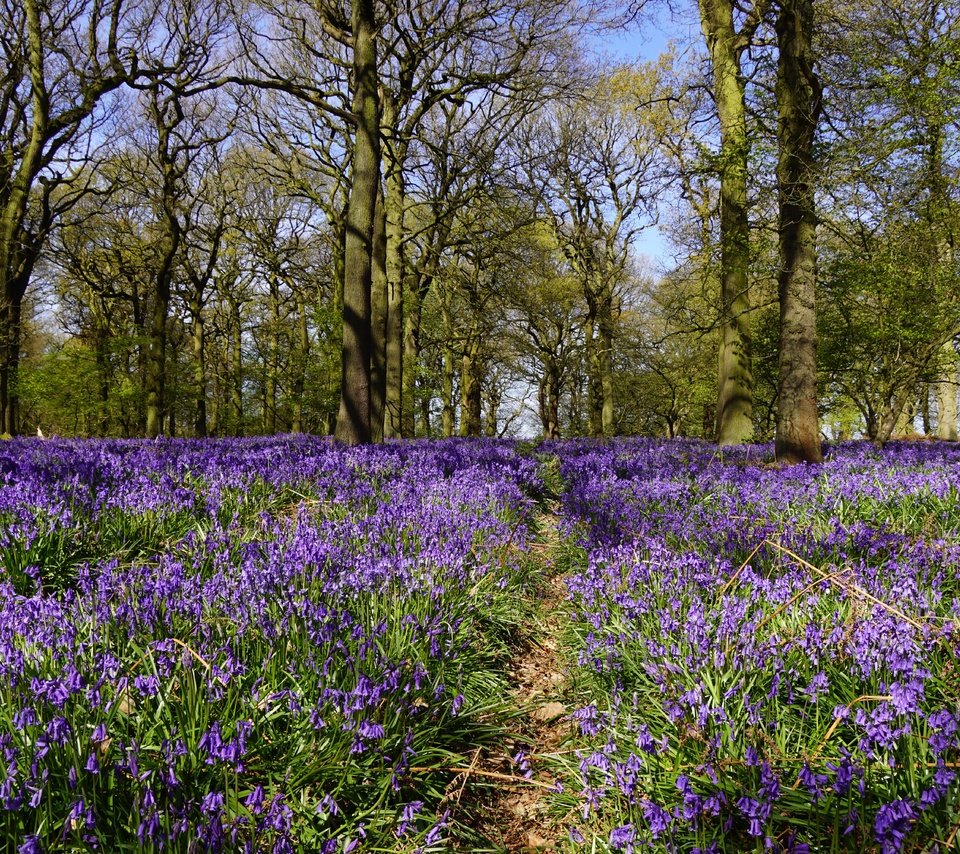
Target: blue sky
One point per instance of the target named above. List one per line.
(645, 40)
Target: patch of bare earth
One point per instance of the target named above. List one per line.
(515, 818)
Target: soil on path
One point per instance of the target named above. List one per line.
(516, 818)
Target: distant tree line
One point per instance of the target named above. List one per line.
(420, 218)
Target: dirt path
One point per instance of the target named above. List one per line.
(517, 818)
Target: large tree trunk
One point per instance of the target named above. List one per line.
(490, 427)
(378, 322)
(947, 396)
(735, 381)
(353, 419)
(549, 401)
(10, 321)
(798, 103)
(471, 391)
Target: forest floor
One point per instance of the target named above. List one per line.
(516, 816)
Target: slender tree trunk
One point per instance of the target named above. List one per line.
(353, 419)
(594, 388)
(412, 313)
(395, 205)
(103, 380)
(604, 364)
(272, 378)
(236, 367)
(378, 322)
(448, 414)
(156, 357)
(798, 103)
(198, 339)
(300, 368)
(735, 385)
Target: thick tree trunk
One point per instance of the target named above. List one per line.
(947, 408)
(10, 320)
(471, 392)
(549, 400)
(353, 419)
(378, 322)
(735, 381)
(798, 103)
(493, 405)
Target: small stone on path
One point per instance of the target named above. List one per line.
(549, 712)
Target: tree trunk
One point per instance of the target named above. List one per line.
(947, 398)
(10, 317)
(300, 368)
(549, 400)
(471, 392)
(798, 103)
(236, 367)
(156, 355)
(735, 382)
(378, 322)
(493, 405)
(353, 419)
(198, 340)
(412, 312)
(272, 378)
(604, 362)
(395, 205)
(448, 414)
(594, 388)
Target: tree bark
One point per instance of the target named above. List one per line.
(198, 338)
(236, 366)
(395, 206)
(300, 367)
(471, 391)
(947, 397)
(353, 418)
(798, 104)
(378, 322)
(594, 391)
(735, 381)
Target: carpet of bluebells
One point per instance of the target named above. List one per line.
(763, 658)
(260, 644)
(283, 645)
